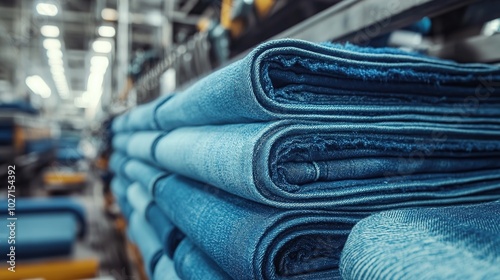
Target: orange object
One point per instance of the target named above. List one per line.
(52, 270)
(236, 27)
(64, 178)
(263, 7)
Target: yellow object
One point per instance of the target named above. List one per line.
(64, 178)
(263, 7)
(52, 270)
(19, 139)
(236, 27)
(203, 24)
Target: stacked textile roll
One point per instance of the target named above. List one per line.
(261, 169)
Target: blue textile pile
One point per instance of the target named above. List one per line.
(262, 169)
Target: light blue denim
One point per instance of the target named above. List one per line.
(292, 79)
(137, 119)
(139, 199)
(459, 242)
(165, 270)
(250, 240)
(144, 174)
(141, 234)
(169, 235)
(119, 186)
(137, 146)
(337, 166)
(193, 264)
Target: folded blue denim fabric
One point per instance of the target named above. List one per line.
(338, 166)
(141, 234)
(119, 186)
(191, 263)
(251, 240)
(139, 118)
(139, 199)
(459, 242)
(292, 79)
(137, 146)
(165, 270)
(117, 162)
(169, 235)
(144, 174)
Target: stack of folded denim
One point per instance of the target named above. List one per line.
(261, 169)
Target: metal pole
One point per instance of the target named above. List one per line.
(122, 44)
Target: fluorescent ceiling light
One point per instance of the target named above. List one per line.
(46, 9)
(49, 31)
(54, 53)
(109, 14)
(101, 46)
(38, 86)
(51, 44)
(57, 69)
(106, 31)
(55, 61)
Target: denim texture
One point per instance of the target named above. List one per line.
(292, 79)
(139, 199)
(141, 234)
(117, 162)
(165, 270)
(251, 240)
(119, 186)
(137, 145)
(144, 174)
(193, 264)
(337, 166)
(169, 235)
(458, 242)
(138, 118)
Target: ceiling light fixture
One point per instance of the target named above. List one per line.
(109, 14)
(37, 85)
(46, 9)
(106, 31)
(102, 46)
(49, 31)
(51, 44)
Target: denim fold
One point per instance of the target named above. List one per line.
(170, 236)
(251, 240)
(457, 242)
(290, 164)
(294, 79)
(142, 235)
(191, 263)
(165, 270)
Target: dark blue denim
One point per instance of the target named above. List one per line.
(459, 242)
(291, 79)
(141, 234)
(337, 166)
(250, 240)
(191, 263)
(169, 235)
(165, 270)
